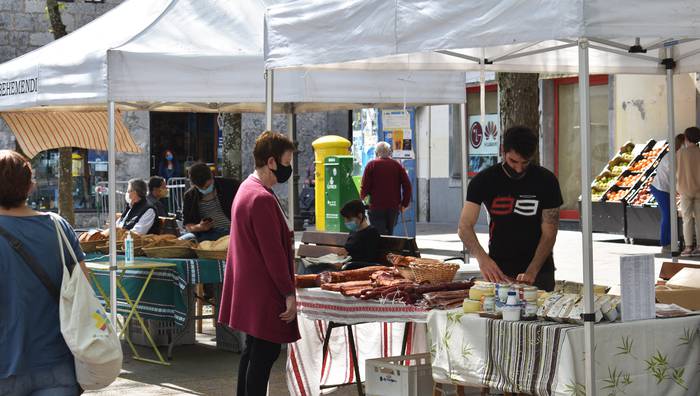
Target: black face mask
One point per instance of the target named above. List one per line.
(282, 173)
(512, 173)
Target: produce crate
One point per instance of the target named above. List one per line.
(608, 217)
(643, 223)
(228, 339)
(162, 332)
(409, 375)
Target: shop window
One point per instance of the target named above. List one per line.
(568, 138)
(87, 172)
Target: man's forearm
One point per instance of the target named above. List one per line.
(542, 253)
(471, 242)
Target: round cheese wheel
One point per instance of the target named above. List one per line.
(471, 306)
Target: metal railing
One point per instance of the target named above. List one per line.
(102, 200)
(176, 193)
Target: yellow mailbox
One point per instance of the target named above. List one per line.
(325, 146)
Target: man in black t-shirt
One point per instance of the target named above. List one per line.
(523, 203)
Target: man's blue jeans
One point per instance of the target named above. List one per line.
(210, 235)
(664, 200)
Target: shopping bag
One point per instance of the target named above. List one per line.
(85, 326)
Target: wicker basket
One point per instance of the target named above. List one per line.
(170, 252)
(90, 246)
(211, 254)
(138, 250)
(432, 271)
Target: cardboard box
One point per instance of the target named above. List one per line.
(682, 289)
(685, 278)
(685, 297)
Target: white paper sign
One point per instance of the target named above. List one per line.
(637, 287)
(396, 125)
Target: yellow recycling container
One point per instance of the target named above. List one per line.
(325, 146)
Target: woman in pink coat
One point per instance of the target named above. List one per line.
(259, 296)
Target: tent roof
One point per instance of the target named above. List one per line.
(512, 35)
(194, 55)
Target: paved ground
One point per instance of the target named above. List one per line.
(200, 369)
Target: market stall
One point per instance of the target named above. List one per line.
(186, 55)
(339, 333)
(348, 317)
(584, 37)
(156, 297)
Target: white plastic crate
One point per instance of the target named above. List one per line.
(409, 375)
(161, 332)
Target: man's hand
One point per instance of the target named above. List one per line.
(491, 272)
(289, 315)
(206, 225)
(526, 277)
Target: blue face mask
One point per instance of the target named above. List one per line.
(351, 225)
(169, 157)
(207, 190)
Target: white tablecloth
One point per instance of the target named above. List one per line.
(651, 357)
(381, 335)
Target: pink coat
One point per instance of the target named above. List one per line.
(260, 266)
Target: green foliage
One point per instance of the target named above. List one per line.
(617, 381)
(689, 336)
(657, 365)
(626, 347)
(575, 389)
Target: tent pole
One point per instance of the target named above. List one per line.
(112, 200)
(269, 84)
(464, 170)
(586, 233)
(482, 89)
(670, 64)
(293, 182)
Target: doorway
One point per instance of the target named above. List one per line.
(191, 137)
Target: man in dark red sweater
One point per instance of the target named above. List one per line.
(387, 184)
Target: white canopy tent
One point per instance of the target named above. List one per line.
(585, 36)
(190, 55)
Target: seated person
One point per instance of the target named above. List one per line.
(363, 242)
(138, 216)
(157, 190)
(207, 204)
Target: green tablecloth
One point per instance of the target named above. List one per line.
(164, 298)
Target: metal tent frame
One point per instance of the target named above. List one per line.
(584, 45)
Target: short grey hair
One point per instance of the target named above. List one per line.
(139, 187)
(382, 150)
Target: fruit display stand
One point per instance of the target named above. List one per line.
(621, 190)
(643, 215)
(607, 209)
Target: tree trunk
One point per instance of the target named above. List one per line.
(65, 184)
(519, 102)
(65, 181)
(232, 166)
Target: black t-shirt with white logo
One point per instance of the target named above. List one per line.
(515, 211)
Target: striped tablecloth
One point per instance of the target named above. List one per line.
(650, 357)
(381, 335)
(317, 304)
(164, 298)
